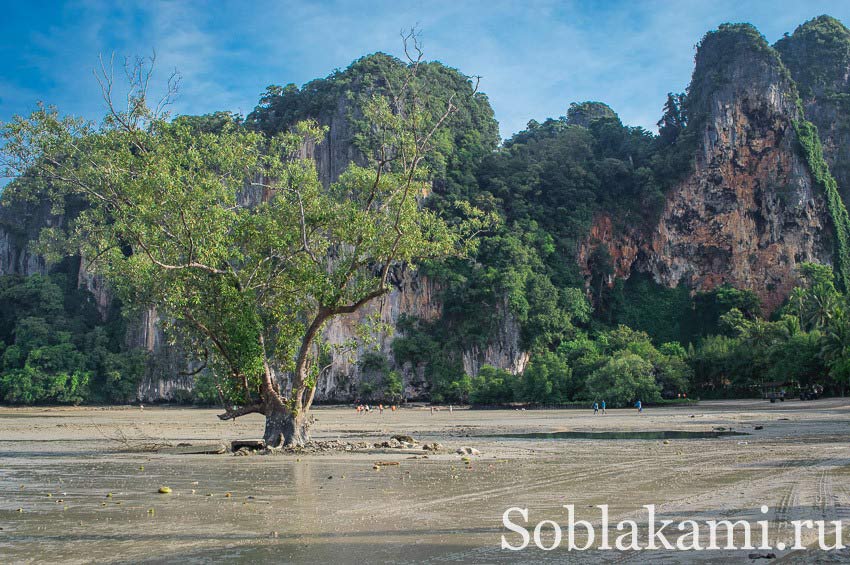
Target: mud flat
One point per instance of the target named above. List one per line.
(81, 484)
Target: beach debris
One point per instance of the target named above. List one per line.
(467, 451)
(164, 490)
(758, 427)
(761, 556)
(403, 439)
(253, 444)
(432, 446)
(189, 449)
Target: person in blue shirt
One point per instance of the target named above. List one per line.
(639, 406)
(603, 407)
(595, 408)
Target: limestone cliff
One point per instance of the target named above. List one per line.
(328, 101)
(749, 213)
(818, 56)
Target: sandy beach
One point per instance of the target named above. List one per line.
(81, 484)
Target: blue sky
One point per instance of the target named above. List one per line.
(534, 56)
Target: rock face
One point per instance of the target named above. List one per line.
(818, 56)
(418, 296)
(166, 374)
(749, 213)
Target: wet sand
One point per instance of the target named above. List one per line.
(86, 493)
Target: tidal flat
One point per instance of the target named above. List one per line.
(80, 485)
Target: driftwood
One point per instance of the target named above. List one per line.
(255, 444)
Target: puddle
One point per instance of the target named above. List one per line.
(668, 434)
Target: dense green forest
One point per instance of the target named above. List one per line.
(588, 339)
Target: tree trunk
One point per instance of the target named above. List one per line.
(283, 429)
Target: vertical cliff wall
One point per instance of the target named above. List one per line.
(750, 212)
(818, 56)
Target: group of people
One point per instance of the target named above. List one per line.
(363, 408)
(597, 406)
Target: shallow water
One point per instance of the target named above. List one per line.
(655, 434)
(336, 508)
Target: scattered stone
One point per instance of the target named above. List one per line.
(164, 490)
(108, 495)
(719, 429)
(184, 444)
(467, 451)
(758, 427)
(227, 495)
(666, 442)
(403, 439)
(385, 463)
(433, 446)
(762, 556)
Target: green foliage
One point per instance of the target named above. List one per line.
(818, 53)
(468, 135)
(807, 134)
(56, 347)
(492, 386)
(645, 305)
(624, 379)
(243, 274)
(430, 346)
(546, 380)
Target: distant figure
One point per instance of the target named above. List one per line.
(639, 406)
(603, 407)
(595, 408)
(432, 410)
(381, 408)
(451, 408)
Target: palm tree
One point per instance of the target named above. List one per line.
(824, 300)
(797, 303)
(835, 348)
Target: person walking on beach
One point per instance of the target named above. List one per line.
(595, 408)
(603, 407)
(639, 406)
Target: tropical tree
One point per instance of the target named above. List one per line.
(835, 349)
(231, 235)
